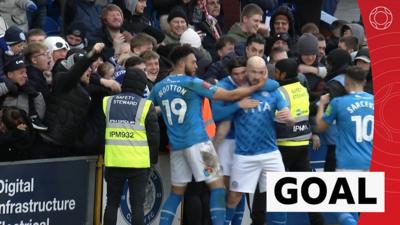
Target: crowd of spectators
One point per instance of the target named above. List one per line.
(51, 87)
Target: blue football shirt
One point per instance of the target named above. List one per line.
(224, 110)
(254, 128)
(354, 115)
(180, 99)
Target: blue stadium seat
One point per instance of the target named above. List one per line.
(52, 27)
(3, 45)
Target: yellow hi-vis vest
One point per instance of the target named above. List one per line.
(297, 98)
(126, 139)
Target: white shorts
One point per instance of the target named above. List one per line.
(225, 154)
(250, 170)
(199, 160)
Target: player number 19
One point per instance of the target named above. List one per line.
(171, 108)
(362, 133)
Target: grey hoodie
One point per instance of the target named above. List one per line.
(131, 5)
(357, 30)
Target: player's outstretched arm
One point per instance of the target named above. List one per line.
(221, 111)
(238, 93)
(285, 116)
(321, 124)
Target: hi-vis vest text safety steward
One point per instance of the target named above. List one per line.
(126, 139)
(297, 98)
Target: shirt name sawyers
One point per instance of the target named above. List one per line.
(360, 104)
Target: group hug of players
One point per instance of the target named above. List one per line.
(263, 125)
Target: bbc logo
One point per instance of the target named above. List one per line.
(325, 192)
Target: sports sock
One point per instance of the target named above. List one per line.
(275, 218)
(169, 209)
(346, 219)
(217, 206)
(238, 216)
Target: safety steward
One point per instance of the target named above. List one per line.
(293, 140)
(132, 142)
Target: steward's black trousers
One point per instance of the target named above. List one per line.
(137, 182)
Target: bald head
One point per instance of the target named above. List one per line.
(255, 61)
(256, 68)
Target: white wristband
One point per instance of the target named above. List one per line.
(322, 71)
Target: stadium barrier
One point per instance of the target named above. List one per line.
(73, 191)
(48, 191)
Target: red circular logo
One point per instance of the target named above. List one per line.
(381, 18)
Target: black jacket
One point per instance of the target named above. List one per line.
(153, 134)
(92, 140)
(164, 6)
(209, 41)
(132, 23)
(104, 36)
(307, 12)
(369, 85)
(284, 10)
(335, 88)
(217, 70)
(16, 144)
(68, 105)
(136, 24)
(39, 82)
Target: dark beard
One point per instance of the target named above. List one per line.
(188, 72)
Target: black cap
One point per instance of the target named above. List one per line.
(134, 81)
(76, 50)
(288, 66)
(338, 58)
(14, 35)
(177, 12)
(15, 63)
(77, 29)
(363, 54)
(281, 36)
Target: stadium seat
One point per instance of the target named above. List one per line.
(52, 27)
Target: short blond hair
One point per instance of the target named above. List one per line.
(32, 49)
(149, 54)
(142, 39)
